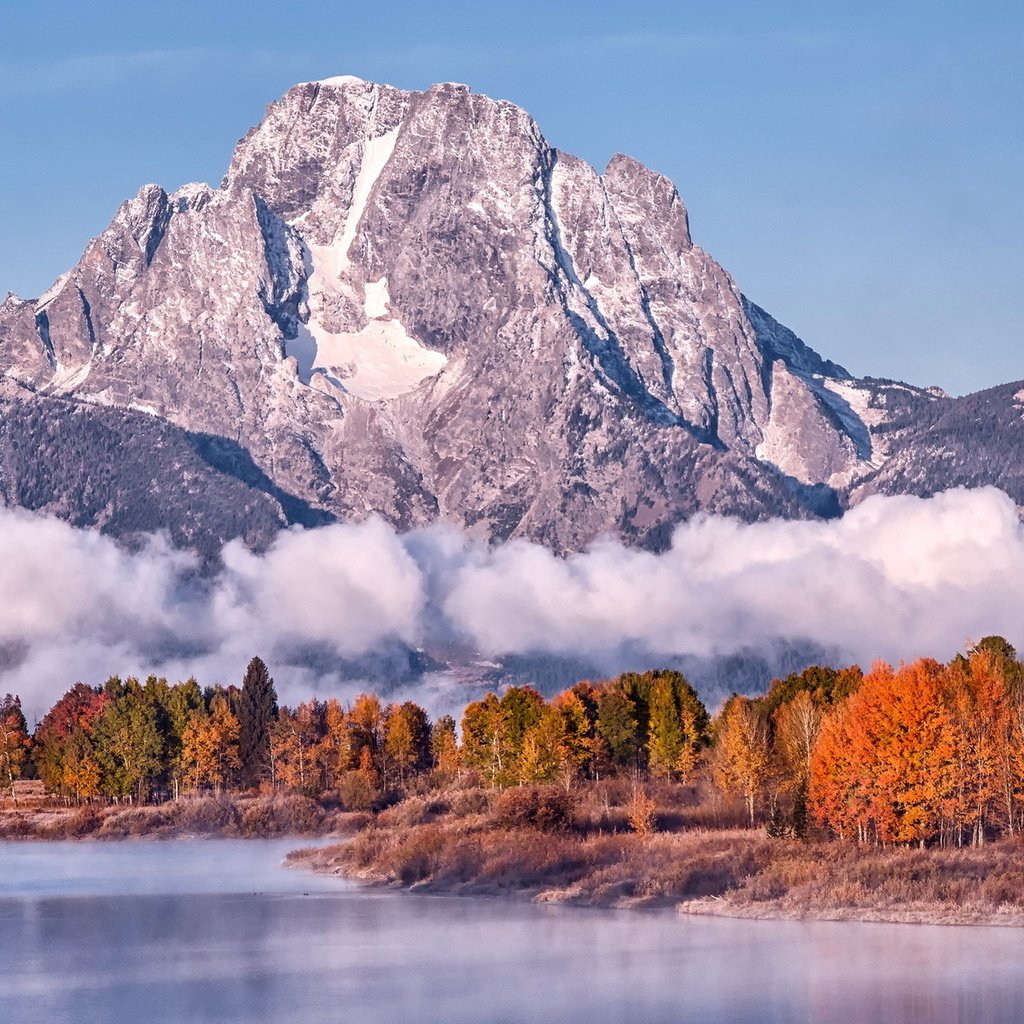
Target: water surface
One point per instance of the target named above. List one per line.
(217, 931)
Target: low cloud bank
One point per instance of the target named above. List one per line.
(895, 578)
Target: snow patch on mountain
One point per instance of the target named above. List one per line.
(52, 292)
(376, 153)
(379, 361)
(340, 81)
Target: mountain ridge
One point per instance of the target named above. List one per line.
(411, 304)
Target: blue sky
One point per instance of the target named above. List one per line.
(858, 168)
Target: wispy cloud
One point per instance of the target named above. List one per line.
(102, 71)
(97, 72)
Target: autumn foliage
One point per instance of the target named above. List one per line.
(925, 754)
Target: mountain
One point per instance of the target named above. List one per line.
(410, 303)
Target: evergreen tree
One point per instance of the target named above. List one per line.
(257, 711)
(617, 725)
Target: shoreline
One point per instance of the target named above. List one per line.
(776, 910)
(936, 916)
(251, 816)
(336, 859)
(424, 846)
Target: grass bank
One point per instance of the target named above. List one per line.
(235, 816)
(482, 843)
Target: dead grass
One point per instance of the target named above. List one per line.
(466, 844)
(207, 815)
(837, 879)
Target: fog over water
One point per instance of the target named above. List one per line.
(214, 931)
(894, 578)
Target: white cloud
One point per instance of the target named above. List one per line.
(895, 578)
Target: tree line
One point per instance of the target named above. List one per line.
(137, 741)
(921, 753)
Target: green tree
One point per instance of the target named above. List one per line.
(665, 731)
(178, 703)
(522, 707)
(1000, 648)
(257, 712)
(618, 726)
(128, 743)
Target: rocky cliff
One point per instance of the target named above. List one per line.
(410, 303)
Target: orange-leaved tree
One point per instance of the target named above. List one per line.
(883, 764)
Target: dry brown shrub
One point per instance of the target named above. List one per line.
(640, 813)
(1004, 888)
(135, 822)
(357, 792)
(468, 802)
(460, 861)
(531, 859)
(282, 814)
(547, 808)
(414, 810)
(82, 822)
(206, 815)
(417, 855)
(363, 850)
(347, 822)
(17, 826)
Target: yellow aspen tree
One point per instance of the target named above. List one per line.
(741, 756)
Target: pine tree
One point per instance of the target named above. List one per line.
(617, 725)
(257, 712)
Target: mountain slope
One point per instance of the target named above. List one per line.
(410, 303)
(964, 442)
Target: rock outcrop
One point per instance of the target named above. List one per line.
(411, 304)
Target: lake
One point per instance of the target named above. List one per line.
(217, 931)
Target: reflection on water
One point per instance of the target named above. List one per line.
(216, 931)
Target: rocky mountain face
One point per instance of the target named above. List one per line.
(410, 303)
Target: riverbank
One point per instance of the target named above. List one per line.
(535, 844)
(234, 816)
(468, 847)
